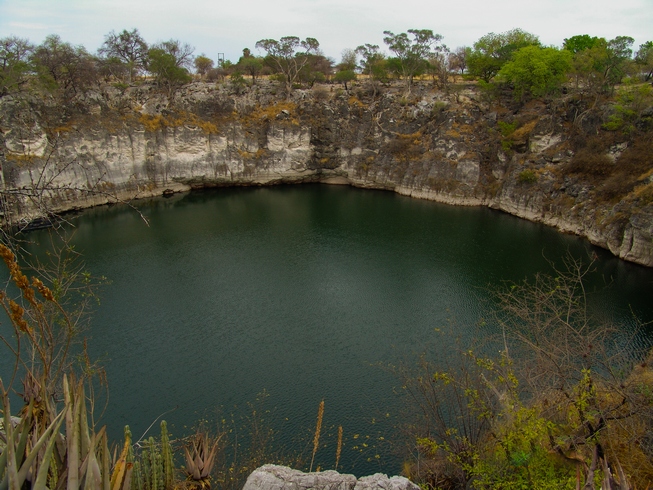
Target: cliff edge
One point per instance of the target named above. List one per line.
(538, 160)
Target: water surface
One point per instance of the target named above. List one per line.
(302, 292)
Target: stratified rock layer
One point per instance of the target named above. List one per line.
(110, 145)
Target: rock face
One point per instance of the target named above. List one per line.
(110, 145)
(273, 477)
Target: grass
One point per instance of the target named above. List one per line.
(154, 123)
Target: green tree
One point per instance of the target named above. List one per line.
(536, 71)
(181, 52)
(251, 65)
(168, 74)
(128, 47)
(316, 69)
(603, 65)
(412, 54)
(345, 69)
(14, 64)
(288, 56)
(203, 64)
(64, 68)
(644, 59)
(580, 43)
(492, 51)
(373, 64)
(345, 76)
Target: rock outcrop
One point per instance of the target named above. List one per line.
(273, 477)
(120, 145)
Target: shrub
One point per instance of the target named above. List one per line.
(527, 176)
(588, 163)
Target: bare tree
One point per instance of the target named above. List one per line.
(129, 47)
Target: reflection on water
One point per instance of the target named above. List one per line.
(302, 292)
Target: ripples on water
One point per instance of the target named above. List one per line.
(302, 292)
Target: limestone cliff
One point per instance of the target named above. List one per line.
(121, 144)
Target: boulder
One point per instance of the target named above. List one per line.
(274, 477)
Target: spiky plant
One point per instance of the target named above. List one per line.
(200, 457)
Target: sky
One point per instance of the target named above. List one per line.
(220, 26)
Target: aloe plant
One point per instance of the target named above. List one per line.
(16, 462)
(200, 458)
(78, 461)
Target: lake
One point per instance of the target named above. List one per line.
(304, 293)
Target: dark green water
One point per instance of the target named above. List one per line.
(301, 292)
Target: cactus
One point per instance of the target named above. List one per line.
(167, 457)
(137, 477)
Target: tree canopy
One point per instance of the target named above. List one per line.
(536, 71)
(128, 47)
(413, 54)
(168, 74)
(492, 51)
(14, 63)
(289, 55)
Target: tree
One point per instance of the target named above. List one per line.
(413, 54)
(203, 64)
(438, 68)
(644, 58)
(458, 59)
(316, 69)
(64, 68)
(347, 60)
(373, 64)
(112, 69)
(289, 55)
(536, 71)
(129, 47)
(182, 53)
(168, 74)
(251, 65)
(581, 42)
(345, 76)
(603, 65)
(14, 64)
(345, 69)
(492, 51)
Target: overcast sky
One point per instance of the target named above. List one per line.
(228, 26)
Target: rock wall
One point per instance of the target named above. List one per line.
(110, 145)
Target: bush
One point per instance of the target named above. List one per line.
(527, 176)
(587, 163)
(544, 413)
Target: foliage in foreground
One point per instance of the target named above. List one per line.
(566, 404)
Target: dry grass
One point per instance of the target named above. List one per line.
(271, 112)
(318, 430)
(153, 123)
